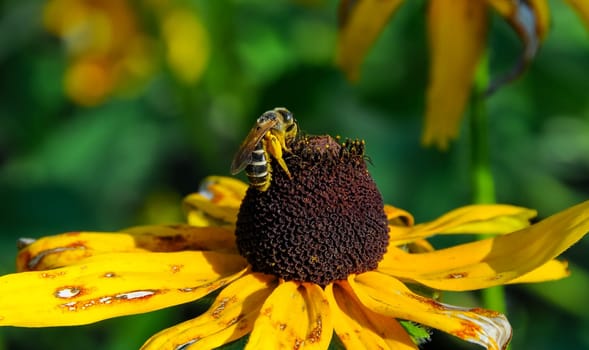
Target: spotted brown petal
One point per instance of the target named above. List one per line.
(230, 317)
(296, 315)
(388, 296)
(111, 285)
(360, 328)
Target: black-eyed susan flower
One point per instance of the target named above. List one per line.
(457, 33)
(315, 255)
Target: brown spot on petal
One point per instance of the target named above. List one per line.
(216, 313)
(282, 326)
(51, 274)
(469, 330)
(67, 292)
(485, 312)
(457, 275)
(267, 312)
(315, 335)
(432, 303)
(297, 344)
(176, 268)
(109, 275)
(105, 300)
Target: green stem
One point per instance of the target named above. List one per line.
(483, 184)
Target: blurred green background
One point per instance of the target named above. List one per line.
(99, 137)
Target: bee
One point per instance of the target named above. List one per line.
(273, 132)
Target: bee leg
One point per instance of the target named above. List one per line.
(275, 149)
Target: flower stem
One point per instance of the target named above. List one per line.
(483, 184)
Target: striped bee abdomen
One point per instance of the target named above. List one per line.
(258, 169)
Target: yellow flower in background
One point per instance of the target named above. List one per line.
(457, 33)
(312, 255)
(111, 51)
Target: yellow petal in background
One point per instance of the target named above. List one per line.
(111, 285)
(360, 328)
(457, 31)
(361, 21)
(230, 317)
(480, 218)
(187, 44)
(552, 270)
(296, 315)
(495, 261)
(582, 9)
(216, 203)
(389, 297)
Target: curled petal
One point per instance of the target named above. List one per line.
(389, 297)
(361, 21)
(457, 31)
(397, 216)
(68, 248)
(480, 218)
(111, 285)
(530, 19)
(492, 261)
(296, 315)
(230, 317)
(360, 328)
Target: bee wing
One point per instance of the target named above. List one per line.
(244, 154)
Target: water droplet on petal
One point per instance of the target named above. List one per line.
(67, 292)
(135, 295)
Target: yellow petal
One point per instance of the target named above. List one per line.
(230, 317)
(480, 218)
(187, 44)
(361, 22)
(582, 8)
(216, 203)
(552, 270)
(360, 328)
(457, 31)
(296, 315)
(111, 285)
(68, 248)
(223, 190)
(389, 297)
(492, 261)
